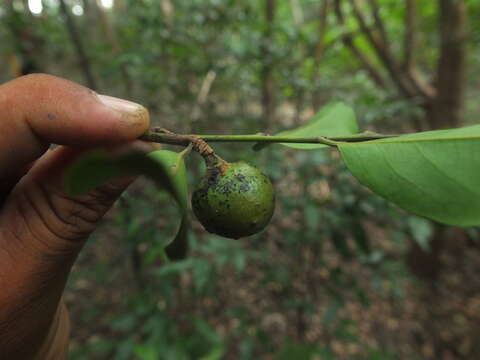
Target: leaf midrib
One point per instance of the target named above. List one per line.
(391, 141)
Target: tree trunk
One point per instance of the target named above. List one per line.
(443, 102)
(446, 109)
(83, 60)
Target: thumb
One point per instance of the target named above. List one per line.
(41, 228)
(38, 109)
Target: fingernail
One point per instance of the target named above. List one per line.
(121, 105)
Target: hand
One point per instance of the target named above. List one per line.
(41, 228)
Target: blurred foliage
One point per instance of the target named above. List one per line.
(330, 277)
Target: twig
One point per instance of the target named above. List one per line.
(382, 51)
(347, 39)
(200, 141)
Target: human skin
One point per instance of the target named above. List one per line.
(42, 229)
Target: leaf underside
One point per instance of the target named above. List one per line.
(164, 167)
(435, 174)
(178, 247)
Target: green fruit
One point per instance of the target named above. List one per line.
(234, 200)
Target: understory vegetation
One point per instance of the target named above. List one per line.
(339, 273)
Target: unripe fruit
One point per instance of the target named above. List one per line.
(234, 200)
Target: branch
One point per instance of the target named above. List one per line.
(77, 42)
(379, 22)
(407, 81)
(347, 39)
(425, 89)
(319, 50)
(383, 52)
(410, 39)
(203, 94)
(266, 71)
(185, 140)
(322, 26)
(409, 47)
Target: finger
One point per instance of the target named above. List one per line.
(40, 109)
(47, 223)
(8, 182)
(41, 232)
(55, 345)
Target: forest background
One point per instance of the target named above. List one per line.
(339, 273)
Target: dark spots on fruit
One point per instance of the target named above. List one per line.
(234, 203)
(213, 176)
(241, 177)
(211, 180)
(244, 187)
(51, 116)
(228, 187)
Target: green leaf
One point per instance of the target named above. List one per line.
(299, 351)
(421, 230)
(165, 168)
(174, 163)
(214, 354)
(97, 167)
(146, 352)
(435, 174)
(334, 119)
